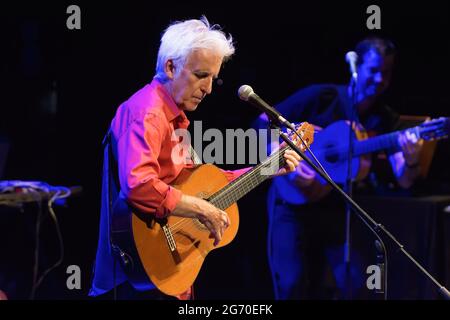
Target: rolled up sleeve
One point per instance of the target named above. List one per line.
(138, 150)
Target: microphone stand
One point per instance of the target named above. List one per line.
(363, 215)
(349, 189)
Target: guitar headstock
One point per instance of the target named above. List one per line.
(435, 129)
(306, 131)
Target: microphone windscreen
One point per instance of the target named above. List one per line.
(351, 56)
(244, 92)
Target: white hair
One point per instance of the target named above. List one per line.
(183, 37)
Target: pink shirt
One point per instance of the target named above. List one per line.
(143, 129)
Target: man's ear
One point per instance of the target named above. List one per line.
(169, 69)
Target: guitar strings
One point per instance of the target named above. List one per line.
(223, 197)
(372, 144)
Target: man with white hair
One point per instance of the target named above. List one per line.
(189, 60)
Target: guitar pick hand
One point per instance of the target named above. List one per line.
(214, 219)
(304, 176)
(411, 147)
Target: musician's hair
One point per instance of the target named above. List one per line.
(384, 47)
(183, 37)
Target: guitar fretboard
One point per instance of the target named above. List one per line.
(248, 181)
(382, 142)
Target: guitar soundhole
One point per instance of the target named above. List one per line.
(331, 155)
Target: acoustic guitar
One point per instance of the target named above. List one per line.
(331, 149)
(170, 252)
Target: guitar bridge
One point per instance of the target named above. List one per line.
(169, 237)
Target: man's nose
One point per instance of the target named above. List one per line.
(207, 85)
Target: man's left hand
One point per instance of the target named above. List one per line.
(292, 161)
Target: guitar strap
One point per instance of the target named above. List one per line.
(110, 172)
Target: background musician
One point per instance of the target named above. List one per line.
(305, 241)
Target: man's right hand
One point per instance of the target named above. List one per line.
(306, 179)
(303, 176)
(214, 219)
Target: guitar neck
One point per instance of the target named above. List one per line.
(382, 142)
(248, 181)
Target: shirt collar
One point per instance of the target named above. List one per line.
(171, 110)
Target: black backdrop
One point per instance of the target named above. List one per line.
(281, 47)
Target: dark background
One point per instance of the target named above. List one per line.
(60, 89)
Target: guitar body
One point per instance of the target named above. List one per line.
(331, 149)
(173, 271)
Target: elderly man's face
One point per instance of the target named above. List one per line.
(374, 74)
(194, 81)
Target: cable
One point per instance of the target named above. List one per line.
(36, 246)
(60, 240)
(35, 189)
(381, 249)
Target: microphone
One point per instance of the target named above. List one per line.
(246, 93)
(351, 57)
